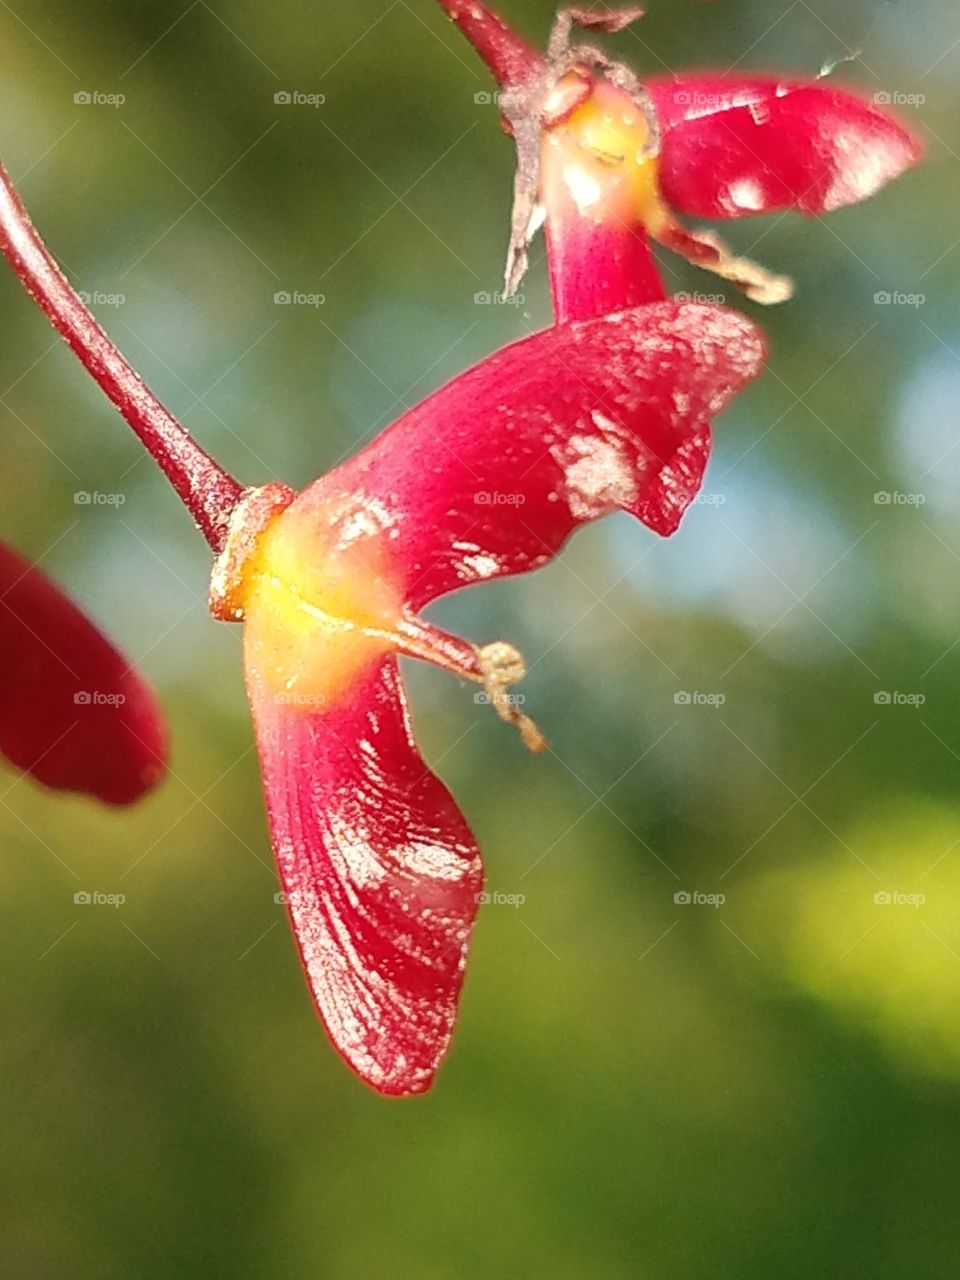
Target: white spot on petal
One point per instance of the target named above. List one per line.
(745, 194)
(585, 190)
(599, 476)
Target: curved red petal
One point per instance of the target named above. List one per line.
(73, 714)
(380, 870)
(491, 474)
(734, 145)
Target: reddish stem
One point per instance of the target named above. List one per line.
(205, 489)
(509, 57)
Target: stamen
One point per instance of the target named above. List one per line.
(707, 250)
(419, 639)
(498, 667)
(502, 666)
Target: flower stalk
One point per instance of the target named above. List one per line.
(509, 57)
(206, 490)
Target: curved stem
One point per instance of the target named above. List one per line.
(205, 489)
(508, 56)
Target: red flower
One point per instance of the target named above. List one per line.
(487, 477)
(73, 713)
(604, 161)
(627, 154)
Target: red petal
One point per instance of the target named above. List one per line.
(596, 266)
(734, 146)
(492, 473)
(381, 873)
(72, 712)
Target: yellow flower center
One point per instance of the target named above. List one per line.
(322, 596)
(601, 152)
(321, 601)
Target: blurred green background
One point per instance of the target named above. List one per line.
(640, 1087)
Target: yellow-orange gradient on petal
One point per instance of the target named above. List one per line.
(603, 154)
(600, 168)
(320, 600)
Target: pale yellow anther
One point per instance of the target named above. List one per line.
(502, 666)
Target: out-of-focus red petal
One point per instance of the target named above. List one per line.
(491, 474)
(73, 714)
(381, 873)
(736, 145)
